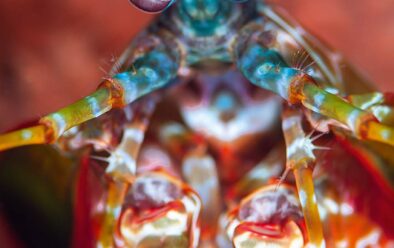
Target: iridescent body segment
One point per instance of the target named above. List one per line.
(232, 96)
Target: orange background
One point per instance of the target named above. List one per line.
(54, 52)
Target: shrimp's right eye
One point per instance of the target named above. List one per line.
(152, 6)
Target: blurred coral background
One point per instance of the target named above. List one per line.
(54, 52)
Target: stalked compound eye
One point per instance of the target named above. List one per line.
(152, 6)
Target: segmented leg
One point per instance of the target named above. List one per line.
(151, 70)
(116, 192)
(122, 163)
(300, 159)
(122, 169)
(265, 68)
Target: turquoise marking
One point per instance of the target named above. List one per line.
(204, 17)
(152, 71)
(266, 68)
(225, 101)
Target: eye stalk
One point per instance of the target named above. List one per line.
(152, 6)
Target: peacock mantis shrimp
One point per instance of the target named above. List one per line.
(225, 124)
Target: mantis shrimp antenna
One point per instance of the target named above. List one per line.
(152, 70)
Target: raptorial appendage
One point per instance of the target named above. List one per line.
(260, 62)
(153, 68)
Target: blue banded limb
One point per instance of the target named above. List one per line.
(265, 68)
(152, 70)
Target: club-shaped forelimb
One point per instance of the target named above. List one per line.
(265, 68)
(301, 160)
(151, 70)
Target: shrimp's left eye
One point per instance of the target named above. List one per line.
(152, 6)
